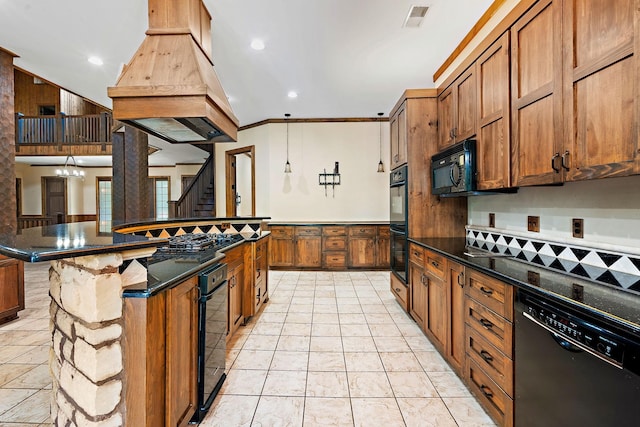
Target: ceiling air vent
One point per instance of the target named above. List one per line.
(415, 16)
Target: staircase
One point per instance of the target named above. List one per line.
(198, 200)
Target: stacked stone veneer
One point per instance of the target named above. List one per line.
(86, 358)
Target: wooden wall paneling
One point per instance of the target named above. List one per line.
(29, 96)
(601, 113)
(536, 95)
(493, 145)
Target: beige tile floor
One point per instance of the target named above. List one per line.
(329, 349)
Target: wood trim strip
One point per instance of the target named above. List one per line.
(541, 92)
(499, 29)
(617, 55)
(486, 16)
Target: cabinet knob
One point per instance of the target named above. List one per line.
(435, 264)
(486, 391)
(486, 291)
(486, 323)
(486, 356)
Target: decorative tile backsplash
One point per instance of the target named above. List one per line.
(239, 227)
(613, 268)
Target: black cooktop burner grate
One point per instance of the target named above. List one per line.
(193, 243)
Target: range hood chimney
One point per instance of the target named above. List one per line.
(169, 89)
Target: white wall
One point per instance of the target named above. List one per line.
(363, 194)
(610, 209)
(81, 194)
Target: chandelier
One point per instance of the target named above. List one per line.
(70, 169)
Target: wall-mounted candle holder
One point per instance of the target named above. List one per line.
(330, 179)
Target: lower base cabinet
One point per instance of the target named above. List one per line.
(11, 288)
(468, 318)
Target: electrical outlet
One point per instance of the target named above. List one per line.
(577, 227)
(492, 220)
(533, 278)
(225, 226)
(533, 223)
(577, 292)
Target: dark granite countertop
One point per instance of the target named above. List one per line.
(615, 304)
(328, 222)
(164, 273)
(69, 240)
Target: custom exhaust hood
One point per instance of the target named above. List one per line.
(169, 89)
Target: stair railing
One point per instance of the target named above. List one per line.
(188, 201)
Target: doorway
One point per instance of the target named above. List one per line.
(240, 174)
(54, 199)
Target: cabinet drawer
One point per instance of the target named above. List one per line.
(261, 268)
(334, 230)
(334, 243)
(416, 254)
(436, 264)
(308, 231)
(400, 291)
(496, 295)
(384, 231)
(334, 259)
(261, 248)
(492, 327)
(362, 231)
(281, 232)
(494, 363)
(497, 403)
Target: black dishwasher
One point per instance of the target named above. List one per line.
(212, 334)
(573, 368)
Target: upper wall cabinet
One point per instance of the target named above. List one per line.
(457, 116)
(601, 105)
(493, 139)
(398, 126)
(536, 95)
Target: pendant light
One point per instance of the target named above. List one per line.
(70, 169)
(380, 164)
(287, 166)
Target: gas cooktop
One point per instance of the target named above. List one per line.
(195, 243)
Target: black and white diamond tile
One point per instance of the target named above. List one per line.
(616, 269)
(197, 229)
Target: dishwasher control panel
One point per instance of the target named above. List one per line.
(577, 331)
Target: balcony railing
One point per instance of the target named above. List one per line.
(63, 129)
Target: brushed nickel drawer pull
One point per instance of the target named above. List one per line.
(486, 356)
(486, 323)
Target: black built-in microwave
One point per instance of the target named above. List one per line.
(454, 169)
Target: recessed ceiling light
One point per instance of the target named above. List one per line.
(257, 44)
(95, 60)
(292, 94)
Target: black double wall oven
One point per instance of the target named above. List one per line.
(398, 224)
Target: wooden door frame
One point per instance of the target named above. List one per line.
(230, 157)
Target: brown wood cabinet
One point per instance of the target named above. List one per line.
(282, 247)
(11, 288)
(489, 344)
(456, 322)
(457, 110)
(235, 259)
(398, 128)
(493, 141)
(536, 95)
(181, 354)
(330, 247)
(601, 69)
(417, 285)
(436, 313)
(256, 293)
(400, 292)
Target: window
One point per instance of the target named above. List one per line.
(104, 205)
(159, 197)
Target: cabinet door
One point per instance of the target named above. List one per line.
(393, 127)
(456, 339)
(536, 95)
(11, 288)
(308, 251)
(436, 311)
(235, 284)
(181, 352)
(417, 294)
(383, 248)
(446, 116)
(361, 252)
(402, 136)
(465, 118)
(601, 88)
(493, 147)
(282, 247)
